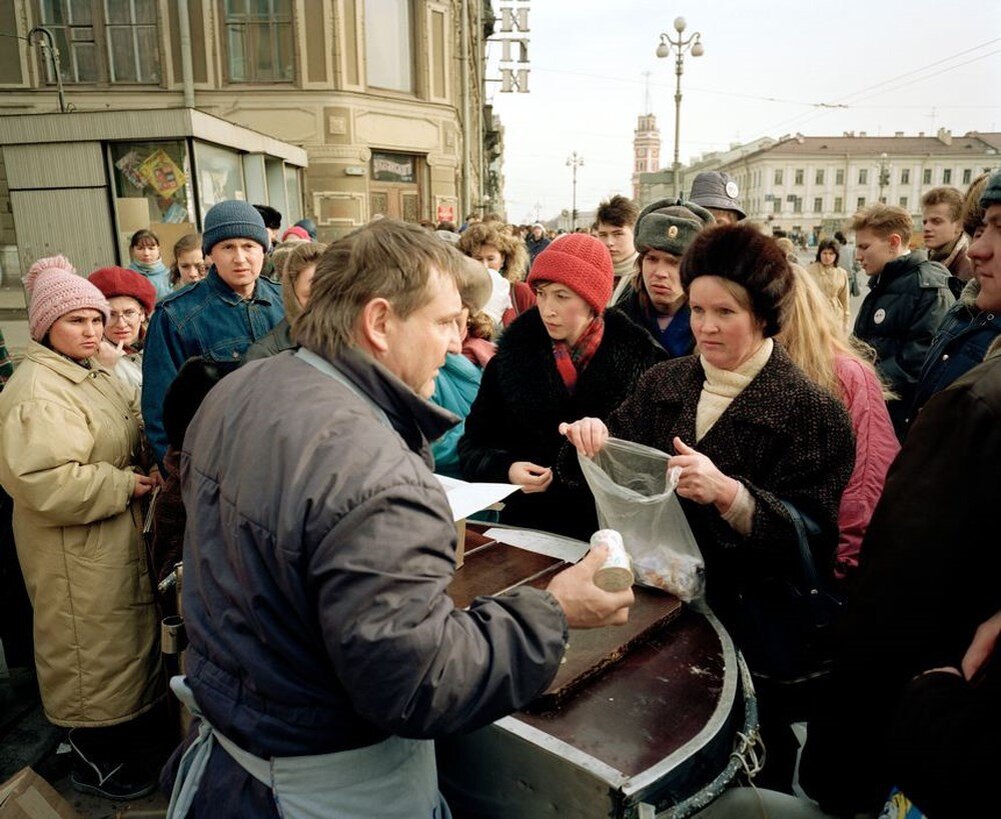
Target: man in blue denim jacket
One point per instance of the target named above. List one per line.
(218, 317)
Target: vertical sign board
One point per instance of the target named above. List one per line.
(514, 44)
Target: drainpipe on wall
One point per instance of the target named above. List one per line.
(467, 153)
(187, 72)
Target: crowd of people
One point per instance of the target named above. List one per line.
(270, 409)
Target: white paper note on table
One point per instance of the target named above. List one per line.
(543, 543)
(468, 498)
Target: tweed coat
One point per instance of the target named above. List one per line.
(782, 437)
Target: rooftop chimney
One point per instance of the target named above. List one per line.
(921, 133)
(861, 133)
(898, 133)
(945, 136)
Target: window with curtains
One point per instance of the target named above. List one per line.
(258, 37)
(103, 41)
(388, 44)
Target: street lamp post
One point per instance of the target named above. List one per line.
(574, 162)
(680, 45)
(884, 176)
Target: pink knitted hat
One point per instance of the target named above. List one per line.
(55, 289)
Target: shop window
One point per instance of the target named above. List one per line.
(388, 44)
(293, 194)
(103, 40)
(259, 40)
(220, 175)
(152, 186)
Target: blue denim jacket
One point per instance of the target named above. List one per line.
(208, 319)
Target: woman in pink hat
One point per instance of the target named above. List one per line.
(70, 438)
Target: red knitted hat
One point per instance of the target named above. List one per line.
(295, 230)
(117, 281)
(580, 262)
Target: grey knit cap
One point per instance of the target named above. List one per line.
(670, 226)
(716, 189)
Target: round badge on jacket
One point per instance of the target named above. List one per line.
(878, 316)
(731, 189)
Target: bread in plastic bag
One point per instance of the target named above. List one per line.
(634, 495)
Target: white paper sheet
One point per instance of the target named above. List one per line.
(468, 498)
(562, 548)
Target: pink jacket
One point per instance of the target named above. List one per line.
(876, 446)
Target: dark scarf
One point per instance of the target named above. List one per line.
(571, 361)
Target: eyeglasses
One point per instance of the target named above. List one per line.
(126, 315)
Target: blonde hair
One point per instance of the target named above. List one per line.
(300, 256)
(884, 220)
(386, 259)
(492, 233)
(813, 336)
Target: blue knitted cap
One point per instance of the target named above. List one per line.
(233, 219)
(992, 193)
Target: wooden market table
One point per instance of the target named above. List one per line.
(643, 714)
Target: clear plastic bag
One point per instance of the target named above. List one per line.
(634, 495)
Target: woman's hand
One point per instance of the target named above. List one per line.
(588, 435)
(699, 479)
(158, 479)
(982, 647)
(110, 354)
(530, 477)
(143, 485)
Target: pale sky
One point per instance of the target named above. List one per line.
(909, 66)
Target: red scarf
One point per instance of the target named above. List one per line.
(571, 361)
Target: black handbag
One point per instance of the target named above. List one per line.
(785, 623)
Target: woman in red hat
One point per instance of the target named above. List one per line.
(565, 356)
(132, 298)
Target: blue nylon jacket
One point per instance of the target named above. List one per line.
(208, 319)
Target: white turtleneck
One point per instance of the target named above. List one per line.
(718, 391)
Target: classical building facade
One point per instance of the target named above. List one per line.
(811, 185)
(385, 96)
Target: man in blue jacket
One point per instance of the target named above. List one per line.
(908, 298)
(217, 318)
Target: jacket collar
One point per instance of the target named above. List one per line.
(416, 421)
(228, 295)
(678, 387)
(900, 266)
(47, 357)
